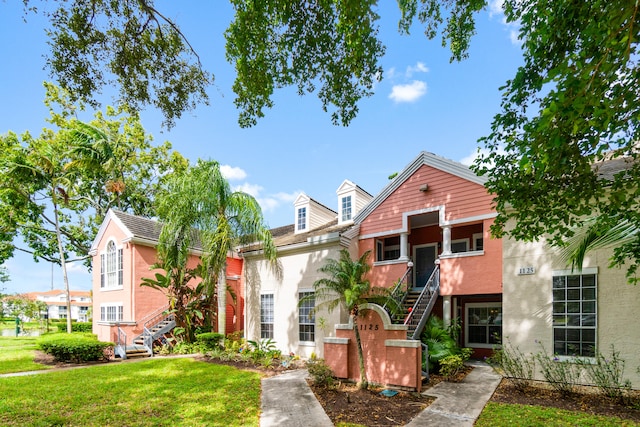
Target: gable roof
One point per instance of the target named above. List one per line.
(137, 229)
(424, 158)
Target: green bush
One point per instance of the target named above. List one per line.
(75, 326)
(451, 365)
(513, 364)
(320, 372)
(210, 340)
(76, 347)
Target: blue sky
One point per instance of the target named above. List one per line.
(423, 103)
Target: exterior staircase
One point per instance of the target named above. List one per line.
(155, 327)
(420, 303)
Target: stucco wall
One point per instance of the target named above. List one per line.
(298, 272)
(527, 303)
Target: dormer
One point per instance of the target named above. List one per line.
(351, 199)
(310, 214)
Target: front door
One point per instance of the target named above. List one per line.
(424, 258)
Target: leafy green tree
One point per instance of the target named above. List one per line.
(199, 208)
(56, 189)
(346, 286)
(569, 112)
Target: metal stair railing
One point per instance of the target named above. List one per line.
(399, 292)
(420, 311)
(156, 325)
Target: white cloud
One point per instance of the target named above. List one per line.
(418, 68)
(232, 173)
(468, 160)
(408, 92)
(390, 73)
(251, 189)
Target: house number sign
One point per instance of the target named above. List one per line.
(522, 271)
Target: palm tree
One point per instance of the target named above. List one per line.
(347, 286)
(598, 233)
(200, 207)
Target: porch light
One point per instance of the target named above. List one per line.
(424, 187)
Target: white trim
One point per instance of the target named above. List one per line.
(474, 239)
(463, 240)
(462, 254)
(424, 158)
(467, 322)
(470, 219)
(576, 272)
(336, 340)
(403, 343)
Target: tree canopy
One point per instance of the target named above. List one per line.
(572, 105)
(570, 112)
(107, 162)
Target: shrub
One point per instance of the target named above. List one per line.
(514, 365)
(76, 347)
(562, 375)
(451, 365)
(321, 373)
(210, 340)
(440, 344)
(607, 374)
(75, 326)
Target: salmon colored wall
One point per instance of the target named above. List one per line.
(139, 302)
(385, 363)
(462, 199)
(469, 275)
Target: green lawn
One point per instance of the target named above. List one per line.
(154, 392)
(16, 355)
(502, 414)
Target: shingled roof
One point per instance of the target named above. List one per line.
(286, 236)
(140, 227)
(608, 168)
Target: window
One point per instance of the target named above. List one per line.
(302, 218)
(388, 249)
(266, 316)
(111, 313)
(346, 208)
(574, 314)
(306, 316)
(62, 311)
(484, 324)
(459, 245)
(111, 274)
(478, 243)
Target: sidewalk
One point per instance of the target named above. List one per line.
(288, 401)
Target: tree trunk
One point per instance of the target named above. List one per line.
(222, 300)
(363, 383)
(63, 264)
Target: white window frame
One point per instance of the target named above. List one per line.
(301, 218)
(593, 271)
(111, 267)
(475, 237)
(112, 312)
(346, 208)
(465, 241)
(265, 319)
(382, 247)
(303, 317)
(468, 323)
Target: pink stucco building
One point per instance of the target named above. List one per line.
(123, 252)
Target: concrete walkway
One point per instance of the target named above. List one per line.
(287, 401)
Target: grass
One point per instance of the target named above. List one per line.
(154, 392)
(502, 414)
(16, 355)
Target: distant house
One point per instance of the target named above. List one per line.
(56, 301)
(123, 251)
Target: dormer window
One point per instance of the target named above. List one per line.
(302, 219)
(345, 206)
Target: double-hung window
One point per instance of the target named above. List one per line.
(574, 313)
(266, 316)
(302, 219)
(111, 271)
(111, 313)
(306, 317)
(484, 324)
(346, 208)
